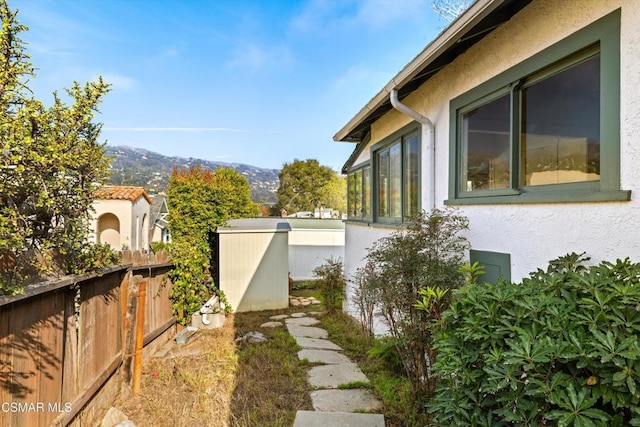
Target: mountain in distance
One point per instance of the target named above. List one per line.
(144, 168)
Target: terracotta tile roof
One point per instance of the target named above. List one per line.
(116, 192)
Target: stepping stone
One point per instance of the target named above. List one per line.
(294, 315)
(344, 401)
(316, 343)
(294, 302)
(316, 302)
(279, 317)
(307, 331)
(331, 376)
(315, 313)
(305, 303)
(271, 325)
(337, 419)
(327, 357)
(302, 321)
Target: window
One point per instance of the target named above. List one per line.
(397, 177)
(546, 130)
(359, 193)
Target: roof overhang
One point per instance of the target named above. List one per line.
(476, 22)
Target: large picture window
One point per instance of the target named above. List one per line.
(397, 178)
(546, 130)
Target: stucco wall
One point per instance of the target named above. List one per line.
(532, 233)
(122, 210)
(309, 249)
(130, 215)
(140, 224)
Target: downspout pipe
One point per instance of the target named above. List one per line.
(427, 135)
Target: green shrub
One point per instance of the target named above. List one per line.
(159, 246)
(332, 283)
(559, 348)
(427, 254)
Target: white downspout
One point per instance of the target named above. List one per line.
(427, 135)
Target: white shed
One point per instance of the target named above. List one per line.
(253, 263)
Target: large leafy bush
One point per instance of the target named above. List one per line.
(560, 348)
(199, 201)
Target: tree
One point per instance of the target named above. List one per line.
(50, 164)
(199, 201)
(450, 9)
(306, 185)
(334, 193)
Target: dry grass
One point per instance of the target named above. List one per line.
(227, 383)
(189, 390)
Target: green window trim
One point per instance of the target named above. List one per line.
(408, 180)
(601, 37)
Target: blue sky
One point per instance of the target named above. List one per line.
(261, 82)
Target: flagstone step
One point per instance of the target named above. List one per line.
(337, 419)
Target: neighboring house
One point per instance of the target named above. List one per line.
(159, 212)
(122, 217)
(524, 115)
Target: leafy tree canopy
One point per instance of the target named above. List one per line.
(50, 164)
(306, 185)
(199, 201)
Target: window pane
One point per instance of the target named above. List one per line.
(366, 191)
(351, 194)
(383, 183)
(486, 146)
(411, 175)
(395, 173)
(357, 206)
(561, 126)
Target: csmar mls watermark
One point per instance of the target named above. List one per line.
(15, 407)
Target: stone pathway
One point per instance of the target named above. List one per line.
(332, 406)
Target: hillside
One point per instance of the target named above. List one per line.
(136, 166)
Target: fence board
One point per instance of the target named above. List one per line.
(70, 358)
(50, 332)
(6, 366)
(99, 327)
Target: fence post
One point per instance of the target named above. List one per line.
(137, 364)
(128, 327)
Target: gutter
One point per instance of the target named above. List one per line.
(427, 135)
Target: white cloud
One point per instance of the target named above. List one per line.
(171, 52)
(360, 76)
(119, 81)
(326, 16)
(249, 55)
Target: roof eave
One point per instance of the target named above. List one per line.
(458, 28)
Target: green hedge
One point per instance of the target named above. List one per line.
(560, 348)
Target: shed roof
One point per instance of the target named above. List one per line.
(255, 225)
(315, 224)
(120, 192)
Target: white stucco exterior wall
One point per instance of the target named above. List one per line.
(532, 234)
(132, 236)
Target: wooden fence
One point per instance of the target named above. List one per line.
(67, 347)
